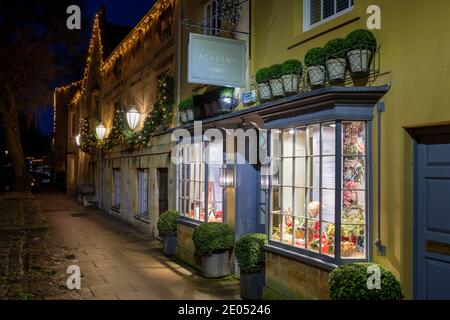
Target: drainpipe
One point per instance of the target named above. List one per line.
(381, 249)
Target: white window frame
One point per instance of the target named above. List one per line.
(209, 21)
(116, 188)
(143, 191)
(307, 14)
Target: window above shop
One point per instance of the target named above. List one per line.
(316, 12)
(318, 199)
(211, 18)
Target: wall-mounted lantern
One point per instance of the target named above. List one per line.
(133, 117)
(78, 140)
(226, 177)
(100, 130)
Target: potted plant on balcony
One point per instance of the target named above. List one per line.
(227, 101)
(336, 63)
(251, 259)
(167, 228)
(262, 79)
(276, 83)
(214, 241)
(349, 282)
(291, 74)
(185, 110)
(361, 44)
(315, 61)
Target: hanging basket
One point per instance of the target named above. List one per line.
(316, 75)
(336, 69)
(291, 83)
(276, 85)
(359, 61)
(264, 91)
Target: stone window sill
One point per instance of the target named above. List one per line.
(143, 217)
(188, 222)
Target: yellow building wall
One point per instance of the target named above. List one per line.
(415, 61)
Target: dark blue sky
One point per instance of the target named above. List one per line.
(127, 13)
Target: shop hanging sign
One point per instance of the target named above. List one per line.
(216, 61)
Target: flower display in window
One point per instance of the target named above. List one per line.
(354, 138)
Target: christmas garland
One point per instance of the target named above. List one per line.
(159, 117)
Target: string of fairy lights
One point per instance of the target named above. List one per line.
(162, 110)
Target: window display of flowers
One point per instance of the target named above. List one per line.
(214, 215)
(354, 138)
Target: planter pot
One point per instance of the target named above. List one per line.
(276, 85)
(359, 60)
(170, 245)
(252, 285)
(291, 83)
(316, 75)
(226, 104)
(336, 69)
(190, 115)
(217, 265)
(264, 91)
(183, 116)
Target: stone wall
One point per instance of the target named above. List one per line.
(290, 279)
(185, 245)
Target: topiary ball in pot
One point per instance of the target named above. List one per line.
(335, 51)
(315, 61)
(262, 79)
(167, 228)
(291, 70)
(276, 84)
(214, 240)
(361, 44)
(349, 282)
(251, 256)
(250, 252)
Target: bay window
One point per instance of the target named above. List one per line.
(198, 179)
(318, 189)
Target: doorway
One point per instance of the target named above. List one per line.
(163, 199)
(432, 215)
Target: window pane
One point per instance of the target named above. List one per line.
(328, 172)
(354, 138)
(287, 171)
(287, 229)
(315, 11)
(300, 142)
(312, 199)
(300, 170)
(276, 223)
(342, 5)
(288, 142)
(215, 212)
(300, 207)
(287, 200)
(353, 241)
(313, 136)
(328, 238)
(313, 235)
(300, 232)
(313, 172)
(328, 8)
(276, 203)
(328, 204)
(354, 173)
(353, 206)
(329, 139)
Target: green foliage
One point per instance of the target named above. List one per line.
(250, 252)
(292, 66)
(167, 223)
(275, 71)
(263, 75)
(116, 134)
(335, 49)
(186, 104)
(213, 237)
(315, 57)
(226, 92)
(88, 140)
(349, 282)
(360, 38)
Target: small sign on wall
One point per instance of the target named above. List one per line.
(216, 61)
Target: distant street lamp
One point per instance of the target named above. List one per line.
(100, 130)
(133, 117)
(78, 140)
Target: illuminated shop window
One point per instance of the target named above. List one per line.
(195, 189)
(143, 191)
(304, 212)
